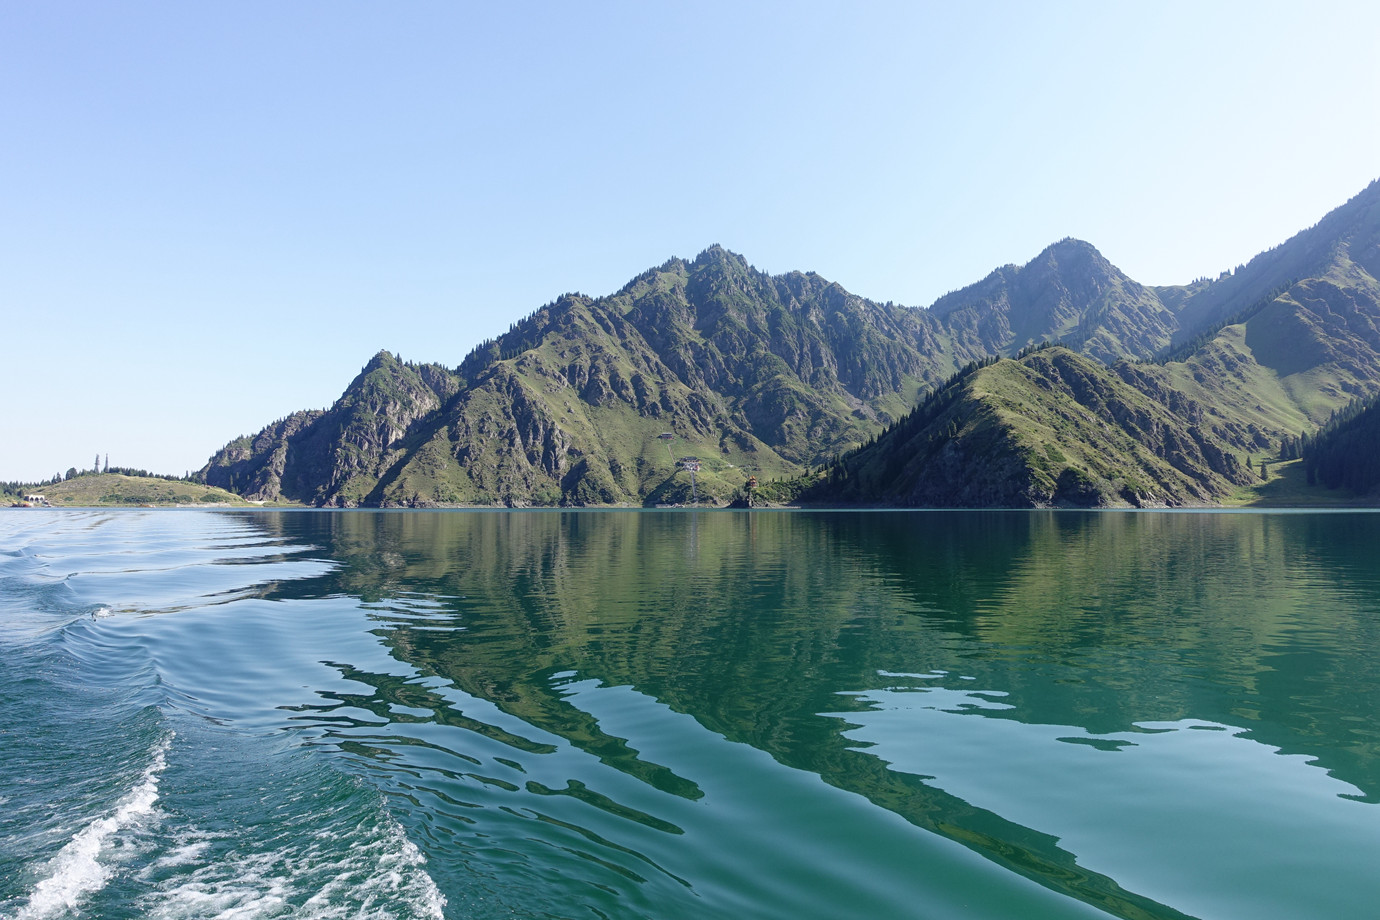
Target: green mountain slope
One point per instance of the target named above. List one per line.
(1049, 428)
(1266, 354)
(1294, 357)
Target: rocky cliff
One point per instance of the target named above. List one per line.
(336, 456)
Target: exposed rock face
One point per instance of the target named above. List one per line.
(336, 456)
(253, 466)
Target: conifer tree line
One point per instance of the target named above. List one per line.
(1345, 451)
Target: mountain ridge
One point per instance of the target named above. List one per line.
(608, 400)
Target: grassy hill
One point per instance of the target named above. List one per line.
(117, 489)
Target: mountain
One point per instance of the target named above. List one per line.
(596, 400)
(1154, 397)
(1052, 428)
(1068, 293)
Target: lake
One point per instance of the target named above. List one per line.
(689, 714)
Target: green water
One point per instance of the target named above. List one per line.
(790, 714)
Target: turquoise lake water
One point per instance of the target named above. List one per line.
(682, 714)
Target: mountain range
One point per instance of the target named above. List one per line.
(1059, 382)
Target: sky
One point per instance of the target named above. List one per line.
(213, 214)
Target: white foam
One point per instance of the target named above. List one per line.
(77, 871)
(397, 875)
(185, 855)
(379, 877)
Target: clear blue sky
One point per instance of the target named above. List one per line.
(213, 214)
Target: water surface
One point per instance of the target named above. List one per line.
(689, 714)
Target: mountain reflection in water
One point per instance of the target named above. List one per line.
(1147, 712)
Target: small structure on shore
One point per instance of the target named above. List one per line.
(691, 465)
(749, 488)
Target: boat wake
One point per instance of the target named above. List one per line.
(84, 864)
(377, 875)
(123, 797)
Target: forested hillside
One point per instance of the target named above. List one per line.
(1345, 454)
